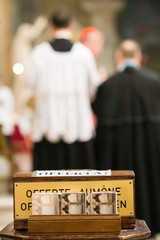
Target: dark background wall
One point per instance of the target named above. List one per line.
(140, 19)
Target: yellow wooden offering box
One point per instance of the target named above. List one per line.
(25, 184)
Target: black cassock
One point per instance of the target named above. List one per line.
(128, 135)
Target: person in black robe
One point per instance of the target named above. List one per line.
(128, 133)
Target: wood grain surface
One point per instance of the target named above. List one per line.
(74, 224)
(141, 231)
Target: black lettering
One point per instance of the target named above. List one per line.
(48, 190)
(29, 193)
(61, 189)
(118, 191)
(23, 206)
(54, 190)
(41, 190)
(67, 189)
(104, 189)
(29, 205)
(36, 190)
(109, 189)
(123, 204)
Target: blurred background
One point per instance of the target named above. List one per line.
(25, 24)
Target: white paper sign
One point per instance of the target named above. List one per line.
(69, 173)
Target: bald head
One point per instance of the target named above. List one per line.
(128, 49)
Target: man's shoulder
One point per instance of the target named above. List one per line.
(142, 73)
(148, 73)
(82, 49)
(113, 78)
(143, 76)
(79, 45)
(41, 47)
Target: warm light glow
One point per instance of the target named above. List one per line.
(18, 68)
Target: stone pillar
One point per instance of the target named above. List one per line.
(1, 36)
(5, 40)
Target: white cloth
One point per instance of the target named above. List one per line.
(64, 83)
(6, 110)
(63, 34)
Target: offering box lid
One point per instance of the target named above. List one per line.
(115, 175)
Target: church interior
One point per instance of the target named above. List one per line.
(24, 24)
